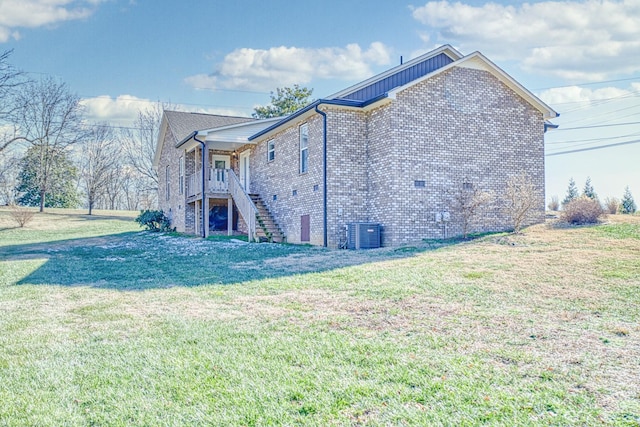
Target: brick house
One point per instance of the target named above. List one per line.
(390, 150)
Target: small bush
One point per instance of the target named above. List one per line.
(582, 210)
(22, 215)
(154, 221)
(554, 204)
(611, 205)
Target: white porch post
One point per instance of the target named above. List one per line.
(229, 216)
(205, 185)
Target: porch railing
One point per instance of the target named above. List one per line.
(245, 205)
(217, 182)
(194, 185)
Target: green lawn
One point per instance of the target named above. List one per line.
(102, 324)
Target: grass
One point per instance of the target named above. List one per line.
(101, 324)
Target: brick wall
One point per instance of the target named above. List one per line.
(174, 207)
(462, 126)
(282, 176)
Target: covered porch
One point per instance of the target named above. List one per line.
(216, 172)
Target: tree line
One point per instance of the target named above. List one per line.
(50, 156)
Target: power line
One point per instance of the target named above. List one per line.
(635, 141)
(589, 83)
(593, 139)
(597, 126)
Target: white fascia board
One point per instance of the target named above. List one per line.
(478, 61)
(256, 123)
(304, 117)
(238, 133)
(281, 128)
(446, 49)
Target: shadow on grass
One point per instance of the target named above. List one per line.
(94, 217)
(143, 260)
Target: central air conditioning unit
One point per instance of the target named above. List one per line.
(363, 235)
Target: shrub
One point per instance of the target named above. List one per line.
(22, 215)
(468, 202)
(582, 210)
(521, 198)
(554, 204)
(611, 205)
(154, 221)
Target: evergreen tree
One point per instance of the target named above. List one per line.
(588, 190)
(286, 101)
(60, 180)
(572, 192)
(628, 205)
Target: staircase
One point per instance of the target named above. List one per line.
(266, 227)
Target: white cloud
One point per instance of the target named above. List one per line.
(580, 95)
(16, 14)
(575, 40)
(119, 111)
(123, 109)
(260, 69)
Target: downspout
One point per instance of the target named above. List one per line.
(202, 145)
(324, 173)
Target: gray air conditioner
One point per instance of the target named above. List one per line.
(363, 235)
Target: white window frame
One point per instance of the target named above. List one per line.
(304, 147)
(181, 175)
(271, 150)
(168, 183)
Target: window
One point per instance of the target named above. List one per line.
(181, 175)
(419, 183)
(271, 150)
(304, 148)
(166, 178)
(294, 193)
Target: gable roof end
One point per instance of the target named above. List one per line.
(478, 61)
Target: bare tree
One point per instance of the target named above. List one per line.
(468, 202)
(51, 120)
(8, 176)
(139, 147)
(114, 188)
(521, 198)
(99, 161)
(10, 82)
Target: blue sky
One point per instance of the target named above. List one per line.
(581, 57)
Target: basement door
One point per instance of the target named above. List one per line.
(305, 228)
(245, 173)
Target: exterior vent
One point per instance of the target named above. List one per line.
(363, 235)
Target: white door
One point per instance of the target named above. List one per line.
(218, 173)
(245, 173)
